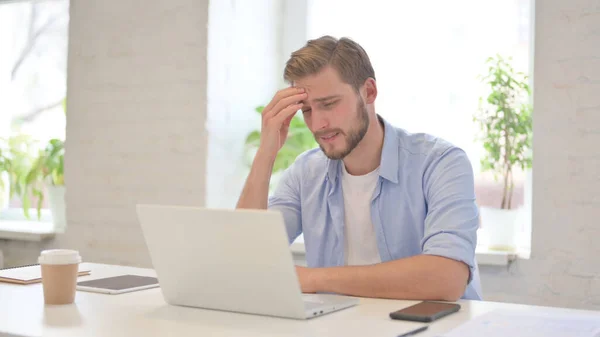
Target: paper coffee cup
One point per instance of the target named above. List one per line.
(59, 275)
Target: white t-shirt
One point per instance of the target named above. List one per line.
(360, 245)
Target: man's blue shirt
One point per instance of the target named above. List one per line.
(424, 203)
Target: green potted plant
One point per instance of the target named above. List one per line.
(299, 140)
(16, 157)
(47, 173)
(43, 178)
(504, 117)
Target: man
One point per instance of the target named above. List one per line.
(384, 213)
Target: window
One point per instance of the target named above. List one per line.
(427, 56)
(33, 64)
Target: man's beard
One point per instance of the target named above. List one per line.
(354, 136)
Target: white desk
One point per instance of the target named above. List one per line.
(145, 313)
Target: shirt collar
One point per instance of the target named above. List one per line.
(388, 168)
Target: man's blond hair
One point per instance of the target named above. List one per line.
(347, 57)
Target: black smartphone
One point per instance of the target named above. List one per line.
(426, 311)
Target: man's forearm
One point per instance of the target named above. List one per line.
(422, 277)
(256, 190)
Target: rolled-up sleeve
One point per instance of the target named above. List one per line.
(286, 199)
(452, 214)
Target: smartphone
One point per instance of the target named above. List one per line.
(426, 311)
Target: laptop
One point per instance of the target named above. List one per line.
(229, 260)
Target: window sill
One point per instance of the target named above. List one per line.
(15, 226)
(26, 230)
(488, 257)
(485, 256)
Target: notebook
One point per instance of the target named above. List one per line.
(28, 274)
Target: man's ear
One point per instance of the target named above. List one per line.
(370, 89)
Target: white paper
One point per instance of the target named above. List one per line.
(22, 273)
(521, 323)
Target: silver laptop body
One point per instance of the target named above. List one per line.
(230, 260)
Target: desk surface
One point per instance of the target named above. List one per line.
(145, 313)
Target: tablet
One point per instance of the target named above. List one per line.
(118, 284)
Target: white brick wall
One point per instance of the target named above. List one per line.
(136, 119)
(565, 265)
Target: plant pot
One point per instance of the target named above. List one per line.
(56, 200)
(4, 191)
(500, 225)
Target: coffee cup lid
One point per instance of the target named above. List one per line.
(59, 256)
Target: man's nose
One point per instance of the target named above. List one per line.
(319, 121)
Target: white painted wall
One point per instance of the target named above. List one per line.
(564, 269)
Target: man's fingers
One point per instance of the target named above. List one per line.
(288, 121)
(281, 94)
(286, 113)
(283, 103)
